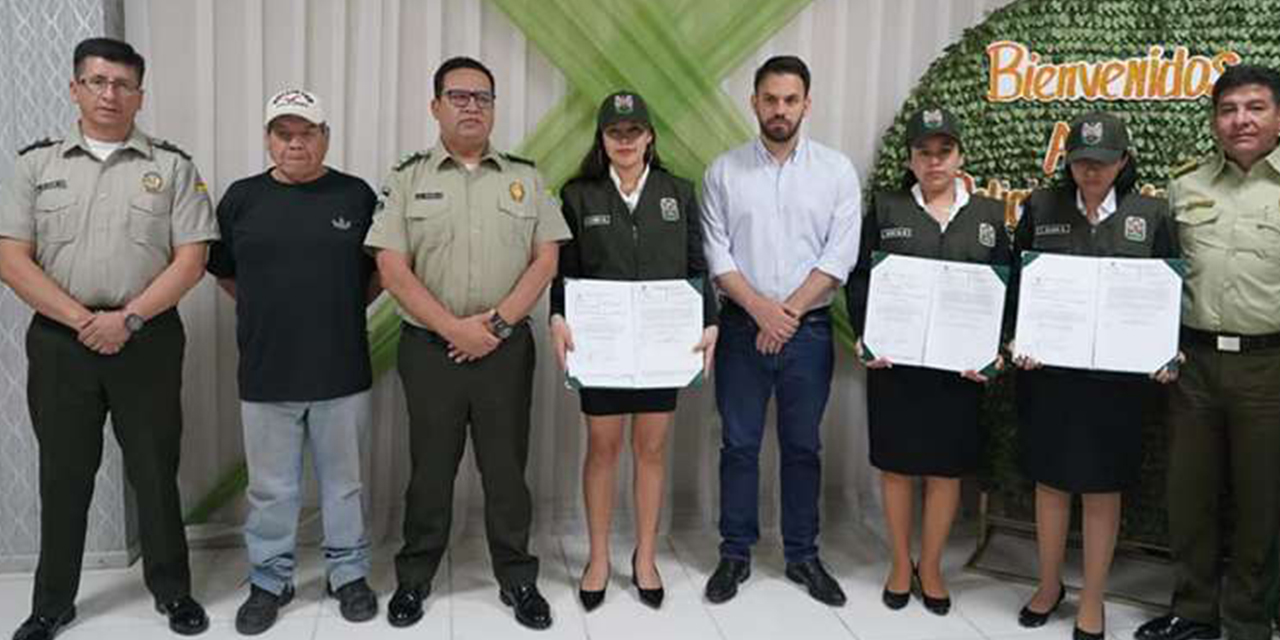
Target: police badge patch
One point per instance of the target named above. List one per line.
(986, 235)
(1135, 229)
(932, 118)
(624, 103)
(152, 182)
(670, 209)
(1091, 132)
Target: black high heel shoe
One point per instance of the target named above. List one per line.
(591, 599)
(936, 606)
(1032, 619)
(651, 597)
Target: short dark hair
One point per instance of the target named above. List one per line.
(1247, 74)
(783, 65)
(461, 62)
(111, 50)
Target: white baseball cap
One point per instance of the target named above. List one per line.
(295, 102)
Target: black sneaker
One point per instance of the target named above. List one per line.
(356, 601)
(260, 611)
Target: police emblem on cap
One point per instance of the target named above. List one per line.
(517, 191)
(932, 118)
(152, 182)
(986, 235)
(670, 210)
(624, 103)
(1091, 132)
(1135, 229)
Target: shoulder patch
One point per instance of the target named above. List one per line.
(1185, 169)
(171, 147)
(517, 159)
(411, 159)
(38, 144)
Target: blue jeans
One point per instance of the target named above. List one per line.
(800, 375)
(274, 436)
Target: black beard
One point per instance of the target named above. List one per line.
(783, 138)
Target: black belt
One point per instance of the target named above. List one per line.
(1229, 342)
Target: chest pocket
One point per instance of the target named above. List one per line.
(517, 220)
(55, 217)
(150, 219)
(1197, 226)
(427, 223)
(1261, 234)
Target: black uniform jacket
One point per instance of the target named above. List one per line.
(660, 240)
(895, 223)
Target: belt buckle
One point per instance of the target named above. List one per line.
(1229, 343)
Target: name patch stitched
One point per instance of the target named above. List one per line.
(599, 220)
(895, 233)
(1059, 229)
(52, 184)
(429, 195)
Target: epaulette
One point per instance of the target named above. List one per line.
(169, 146)
(38, 144)
(411, 159)
(1185, 169)
(517, 159)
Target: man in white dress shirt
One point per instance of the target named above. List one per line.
(781, 221)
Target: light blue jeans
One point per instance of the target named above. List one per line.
(275, 434)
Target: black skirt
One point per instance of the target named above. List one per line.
(1081, 432)
(612, 402)
(924, 422)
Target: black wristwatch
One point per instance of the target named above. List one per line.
(134, 323)
(499, 327)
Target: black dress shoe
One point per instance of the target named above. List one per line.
(260, 611)
(531, 608)
(651, 597)
(405, 608)
(591, 599)
(1171, 627)
(723, 584)
(356, 601)
(1080, 634)
(186, 616)
(1031, 618)
(895, 600)
(814, 576)
(44, 627)
(936, 606)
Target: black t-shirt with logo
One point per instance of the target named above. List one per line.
(302, 276)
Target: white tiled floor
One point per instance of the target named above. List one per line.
(113, 604)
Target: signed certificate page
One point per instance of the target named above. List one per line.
(934, 313)
(633, 335)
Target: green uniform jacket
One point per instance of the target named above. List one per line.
(660, 240)
(896, 224)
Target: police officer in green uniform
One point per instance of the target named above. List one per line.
(1224, 413)
(924, 422)
(466, 241)
(102, 231)
(631, 220)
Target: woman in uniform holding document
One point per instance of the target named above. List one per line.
(924, 422)
(631, 220)
(1081, 431)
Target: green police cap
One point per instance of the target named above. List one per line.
(1097, 136)
(932, 121)
(623, 105)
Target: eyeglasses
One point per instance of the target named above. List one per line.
(460, 98)
(97, 85)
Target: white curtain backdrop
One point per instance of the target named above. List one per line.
(213, 63)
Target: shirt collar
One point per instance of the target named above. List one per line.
(1105, 209)
(440, 155)
(617, 181)
(1219, 162)
(137, 140)
(763, 155)
(962, 198)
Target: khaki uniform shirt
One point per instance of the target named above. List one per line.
(468, 234)
(104, 230)
(1229, 225)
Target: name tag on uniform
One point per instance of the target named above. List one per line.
(428, 195)
(52, 184)
(601, 220)
(1061, 229)
(895, 232)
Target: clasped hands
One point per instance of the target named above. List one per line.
(104, 332)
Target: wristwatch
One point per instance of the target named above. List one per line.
(134, 323)
(499, 327)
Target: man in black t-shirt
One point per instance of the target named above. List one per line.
(291, 256)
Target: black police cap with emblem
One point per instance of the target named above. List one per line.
(1097, 136)
(932, 121)
(623, 105)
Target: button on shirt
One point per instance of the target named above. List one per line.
(776, 222)
(1229, 225)
(103, 230)
(469, 234)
